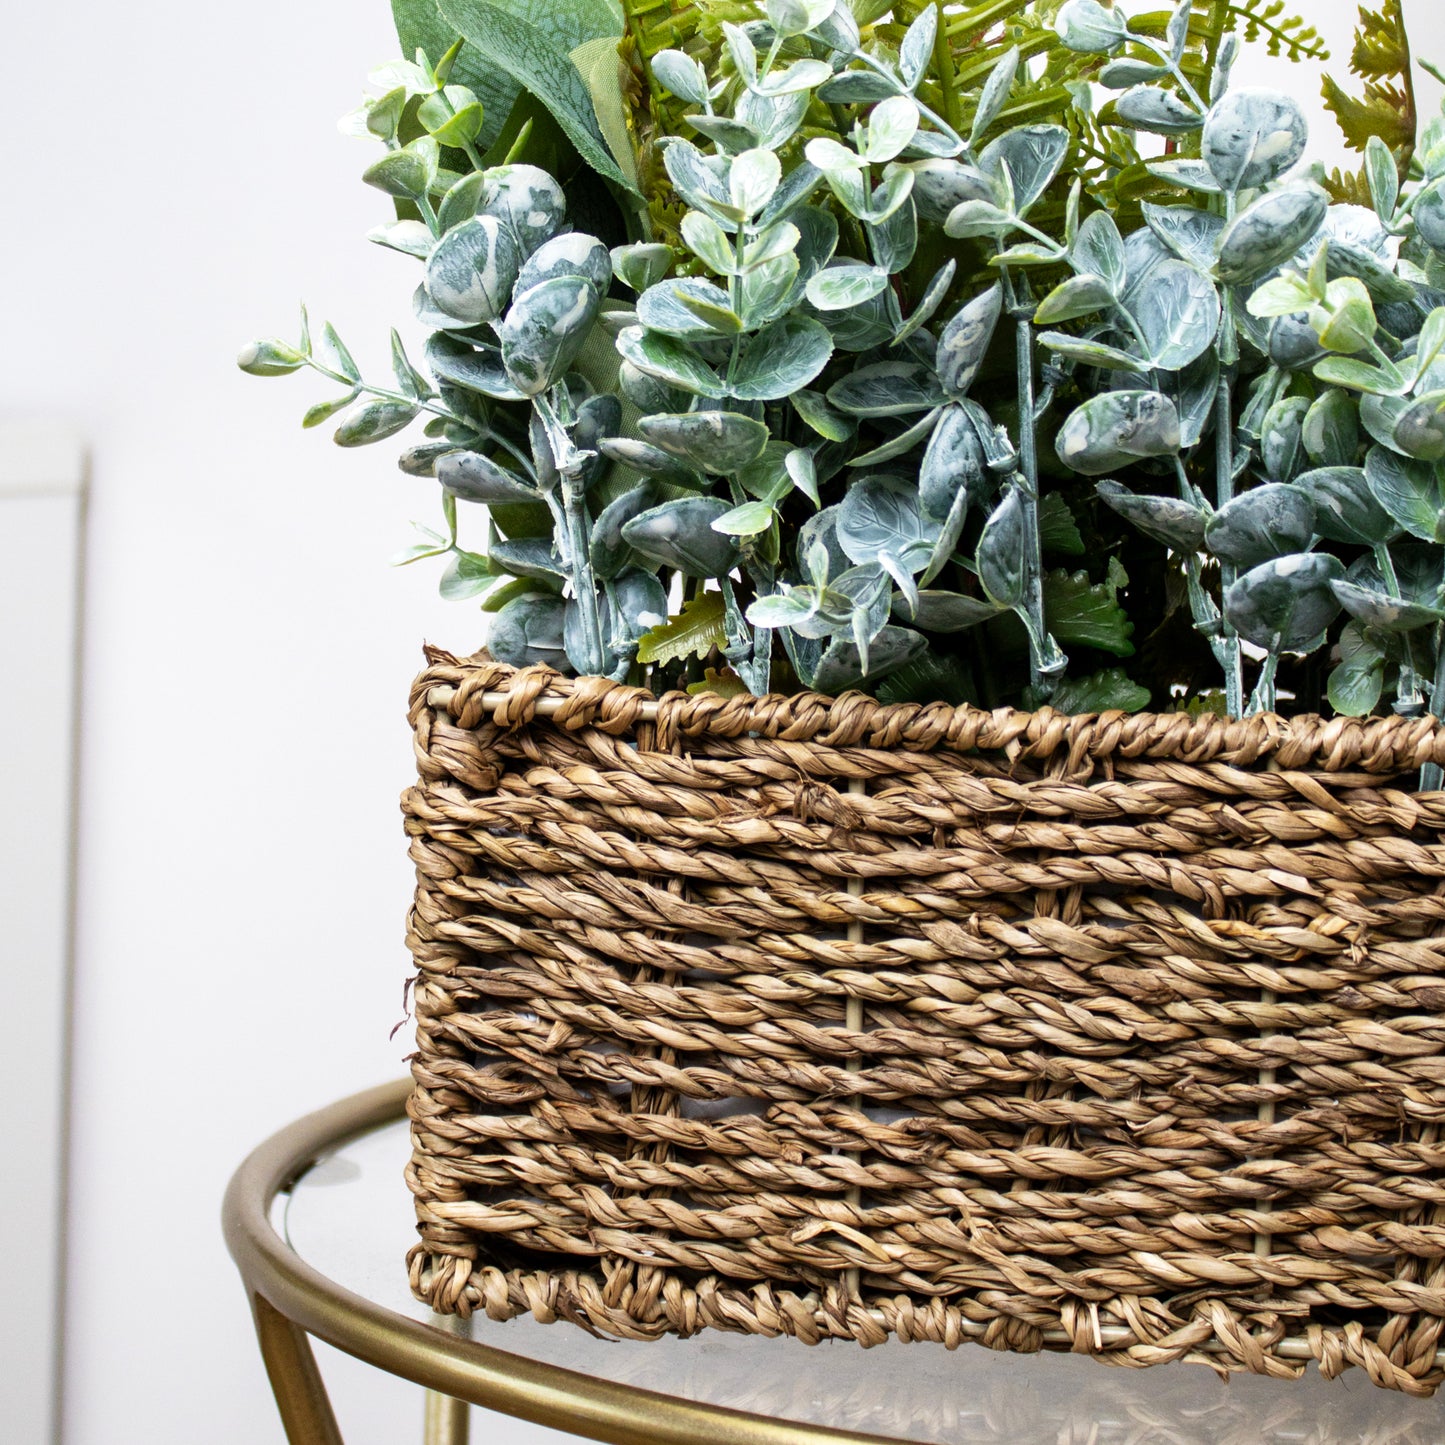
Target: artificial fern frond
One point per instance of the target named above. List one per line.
(1381, 58)
(1283, 34)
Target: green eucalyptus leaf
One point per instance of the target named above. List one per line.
(1116, 427)
(1409, 491)
(270, 358)
(880, 520)
(1159, 111)
(641, 264)
(1269, 231)
(670, 361)
(1188, 175)
(698, 183)
(1191, 234)
(475, 369)
(411, 238)
(1268, 521)
(892, 123)
(1176, 524)
(1089, 28)
(1002, 550)
(954, 462)
(1252, 136)
(932, 298)
(842, 666)
(687, 307)
(1374, 607)
(906, 441)
(472, 270)
(938, 611)
(476, 478)
(1177, 311)
(1356, 683)
(747, 520)
(680, 534)
(887, 388)
(324, 410)
(400, 173)
(941, 185)
(1419, 431)
(1098, 250)
(1384, 180)
(917, 48)
(608, 551)
(1073, 297)
(544, 331)
(1285, 604)
(533, 557)
(678, 72)
(1331, 431)
(721, 442)
(371, 421)
(528, 631)
(651, 461)
(1120, 74)
(466, 576)
(1090, 353)
(895, 240)
(527, 201)
(779, 359)
(1345, 508)
(994, 95)
(572, 254)
(1031, 155)
(839, 288)
(964, 341)
(813, 407)
(1281, 438)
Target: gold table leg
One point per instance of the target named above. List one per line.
(447, 1420)
(295, 1381)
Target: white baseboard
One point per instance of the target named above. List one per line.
(42, 495)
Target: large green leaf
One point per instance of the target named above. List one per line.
(529, 51)
(420, 26)
(1086, 613)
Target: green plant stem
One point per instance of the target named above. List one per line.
(1431, 776)
(1262, 699)
(1233, 658)
(578, 531)
(1408, 697)
(1201, 605)
(1047, 662)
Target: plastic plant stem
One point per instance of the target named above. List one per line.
(1431, 776)
(1408, 697)
(1232, 658)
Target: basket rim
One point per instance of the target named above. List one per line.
(473, 689)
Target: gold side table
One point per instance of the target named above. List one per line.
(318, 1221)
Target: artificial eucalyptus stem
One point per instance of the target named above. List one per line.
(1046, 661)
(1409, 700)
(1432, 777)
(579, 526)
(1232, 657)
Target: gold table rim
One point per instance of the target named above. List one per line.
(564, 1399)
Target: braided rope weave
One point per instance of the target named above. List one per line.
(797, 1015)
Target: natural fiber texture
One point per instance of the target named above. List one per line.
(820, 1017)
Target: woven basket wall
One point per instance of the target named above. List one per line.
(1119, 1035)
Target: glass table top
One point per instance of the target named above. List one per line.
(350, 1217)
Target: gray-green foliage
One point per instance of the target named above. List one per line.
(845, 417)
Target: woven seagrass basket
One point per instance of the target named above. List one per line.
(1119, 1035)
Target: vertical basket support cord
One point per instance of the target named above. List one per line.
(854, 1023)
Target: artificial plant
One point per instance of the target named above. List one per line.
(842, 345)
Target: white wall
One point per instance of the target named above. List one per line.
(176, 184)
